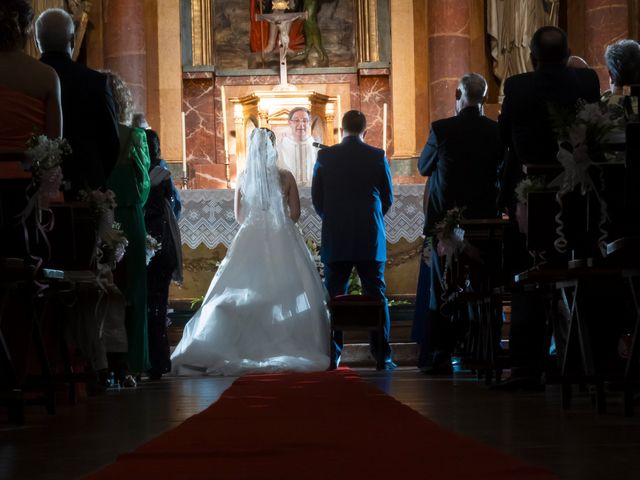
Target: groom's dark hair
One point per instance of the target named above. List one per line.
(354, 122)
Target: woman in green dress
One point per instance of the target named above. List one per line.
(129, 180)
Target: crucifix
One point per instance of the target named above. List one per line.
(281, 21)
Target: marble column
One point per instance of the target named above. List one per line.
(169, 80)
(403, 83)
(124, 45)
(606, 21)
(449, 52)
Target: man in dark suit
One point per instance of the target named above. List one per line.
(525, 124)
(462, 159)
(90, 124)
(351, 191)
(527, 130)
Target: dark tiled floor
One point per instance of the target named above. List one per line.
(578, 444)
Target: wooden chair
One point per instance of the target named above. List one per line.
(71, 275)
(359, 313)
(625, 252)
(482, 296)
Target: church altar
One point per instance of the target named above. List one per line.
(207, 216)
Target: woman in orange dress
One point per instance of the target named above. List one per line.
(29, 89)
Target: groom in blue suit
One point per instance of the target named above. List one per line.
(351, 191)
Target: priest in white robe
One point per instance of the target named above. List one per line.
(296, 152)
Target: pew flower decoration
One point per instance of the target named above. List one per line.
(582, 142)
(527, 186)
(43, 158)
(523, 189)
(450, 236)
(152, 247)
(111, 242)
(113, 246)
(103, 205)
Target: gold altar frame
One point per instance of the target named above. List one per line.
(271, 109)
(201, 32)
(367, 38)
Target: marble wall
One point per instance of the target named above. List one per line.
(606, 21)
(367, 91)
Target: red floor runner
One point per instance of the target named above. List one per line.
(306, 426)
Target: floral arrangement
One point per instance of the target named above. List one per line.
(449, 234)
(44, 153)
(103, 204)
(99, 201)
(314, 250)
(529, 185)
(583, 140)
(523, 189)
(43, 158)
(112, 246)
(112, 242)
(152, 247)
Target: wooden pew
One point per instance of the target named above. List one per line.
(20, 329)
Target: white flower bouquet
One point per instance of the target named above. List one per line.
(583, 140)
(152, 247)
(44, 157)
(103, 205)
(449, 235)
(112, 246)
(523, 189)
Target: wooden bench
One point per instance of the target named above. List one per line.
(359, 313)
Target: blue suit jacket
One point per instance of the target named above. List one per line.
(351, 191)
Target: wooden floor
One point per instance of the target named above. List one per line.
(578, 444)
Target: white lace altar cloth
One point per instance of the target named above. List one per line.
(207, 216)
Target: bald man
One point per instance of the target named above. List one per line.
(90, 123)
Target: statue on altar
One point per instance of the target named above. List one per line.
(314, 53)
(282, 22)
(296, 152)
(510, 26)
(263, 34)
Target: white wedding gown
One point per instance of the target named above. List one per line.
(265, 310)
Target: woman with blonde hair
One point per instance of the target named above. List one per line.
(129, 180)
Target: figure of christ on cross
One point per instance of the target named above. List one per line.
(281, 24)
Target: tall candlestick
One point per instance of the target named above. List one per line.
(223, 99)
(384, 127)
(227, 170)
(184, 146)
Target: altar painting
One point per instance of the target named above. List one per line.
(241, 44)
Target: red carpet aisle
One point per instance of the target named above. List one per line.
(306, 426)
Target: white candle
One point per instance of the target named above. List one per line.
(384, 127)
(223, 99)
(184, 146)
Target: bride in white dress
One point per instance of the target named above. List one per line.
(265, 309)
